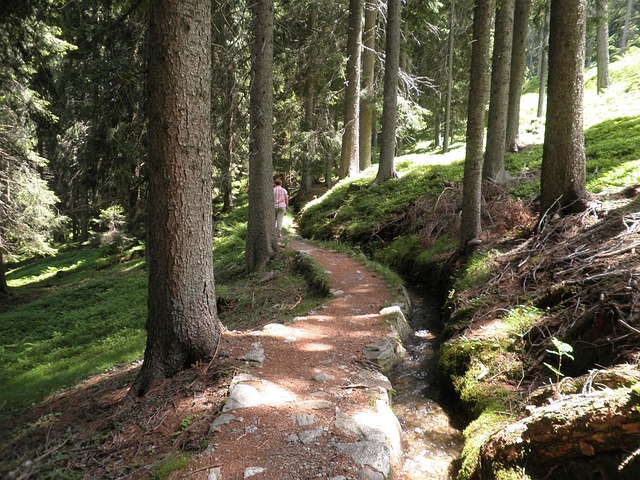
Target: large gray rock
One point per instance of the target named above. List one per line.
(259, 392)
(389, 351)
(378, 435)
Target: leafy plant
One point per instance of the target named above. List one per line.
(562, 350)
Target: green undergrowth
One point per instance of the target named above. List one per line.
(83, 311)
(286, 289)
(396, 223)
(73, 315)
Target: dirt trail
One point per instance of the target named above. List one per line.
(313, 371)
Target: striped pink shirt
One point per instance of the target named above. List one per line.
(279, 197)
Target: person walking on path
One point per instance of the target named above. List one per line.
(281, 202)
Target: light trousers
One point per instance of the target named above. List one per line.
(279, 218)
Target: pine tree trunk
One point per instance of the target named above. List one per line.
(182, 323)
(543, 66)
(499, 99)
(602, 18)
(349, 156)
(518, 64)
(367, 94)
(306, 179)
(223, 105)
(4, 289)
(261, 239)
(447, 105)
(309, 102)
(436, 127)
(471, 228)
(625, 29)
(386, 169)
(563, 177)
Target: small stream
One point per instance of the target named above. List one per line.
(432, 438)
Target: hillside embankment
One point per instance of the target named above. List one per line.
(541, 327)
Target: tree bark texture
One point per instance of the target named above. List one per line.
(625, 29)
(471, 227)
(182, 323)
(447, 105)
(563, 177)
(4, 289)
(602, 18)
(581, 426)
(261, 238)
(309, 102)
(224, 106)
(349, 156)
(499, 99)
(386, 169)
(518, 67)
(543, 66)
(306, 178)
(368, 93)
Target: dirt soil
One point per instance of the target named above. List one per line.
(97, 431)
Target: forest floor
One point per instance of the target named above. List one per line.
(315, 365)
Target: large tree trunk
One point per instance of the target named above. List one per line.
(563, 178)
(182, 323)
(471, 228)
(349, 156)
(447, 104)
(499, 99)
(4, 289)
(386, 169)
(518, 64)
(261, 239)
(306, 178)
(368, 93)
(602, 18)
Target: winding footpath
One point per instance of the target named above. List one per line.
(309, 401)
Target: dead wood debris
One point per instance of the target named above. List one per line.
(584, 272)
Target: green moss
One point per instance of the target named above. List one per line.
(510, 473)
(436, 253)
(475, 435)
(315, 276)
(168, 466)
(476, 272)
(400, 254)
(613, 154)
(461, 316)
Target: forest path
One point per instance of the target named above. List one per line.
(308, 404)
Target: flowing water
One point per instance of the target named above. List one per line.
(430, 427)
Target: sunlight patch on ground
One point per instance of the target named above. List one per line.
(48, 273)
(316, 347)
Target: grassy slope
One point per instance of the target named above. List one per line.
(83, 311)
(398, 220)
(84, 315)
